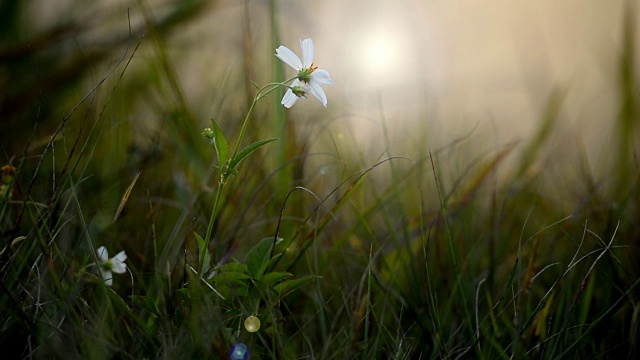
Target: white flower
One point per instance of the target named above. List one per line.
(309, 78)
(108, 265)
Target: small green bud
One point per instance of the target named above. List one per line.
(299, 91)
(208, 133)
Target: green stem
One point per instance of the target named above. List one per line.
(262, 92)
(259, 96)
(207, 238)
(244, 128)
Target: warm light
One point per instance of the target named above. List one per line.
(386, 57)
(381, 54)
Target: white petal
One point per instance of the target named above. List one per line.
(289, 99)
(307, 52)
(121, 256)
(316, 90)
(107, 277)
(283, 53)
(118, 266)
(103, 254)
(321, 77)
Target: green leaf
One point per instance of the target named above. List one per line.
(273, 277)
(273, 261)
(229, 292)
(246, 152)
(206, 266)
(231, 278)
(220, 144)
(258, 257)
(288, 286)
(236, 267)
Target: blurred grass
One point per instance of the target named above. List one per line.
(455, 253)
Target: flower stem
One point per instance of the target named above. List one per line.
(244, 126)
(262, 92)
(207, 238)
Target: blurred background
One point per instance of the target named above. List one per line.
(133, 83)
(450, 66)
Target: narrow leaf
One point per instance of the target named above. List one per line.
(273, 277)
(288, 286)
(220, 144)
(125, 197)
(246, 152)
(201, 249)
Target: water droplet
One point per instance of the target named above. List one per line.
(239, 351)
(252, 324)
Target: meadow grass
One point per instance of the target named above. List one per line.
(448, 253)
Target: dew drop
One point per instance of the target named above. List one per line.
(252, 324)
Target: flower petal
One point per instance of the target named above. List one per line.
(316, 90)
(321, 77)
(103, 254)
(107, 277)
(307, 52)
(289, 99)
(121, 256)
(118, 266)
(283, 53)
(117, 263)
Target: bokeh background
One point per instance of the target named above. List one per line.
(452, 66)
(144, 78)
(137, 81)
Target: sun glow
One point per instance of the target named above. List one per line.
(381, 54)
(387, 56)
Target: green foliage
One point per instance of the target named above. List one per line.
(252, 278)
(220, 144)
(258, 257)
(203, 249)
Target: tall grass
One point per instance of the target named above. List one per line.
(452, 253)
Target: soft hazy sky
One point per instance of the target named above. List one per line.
(450, 65)
(468, 60)
(454, 65)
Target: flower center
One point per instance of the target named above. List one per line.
(305, 74)
(107, 265)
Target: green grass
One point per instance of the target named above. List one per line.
(463, 251)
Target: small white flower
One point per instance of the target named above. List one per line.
(309, 78)
(108, 265)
